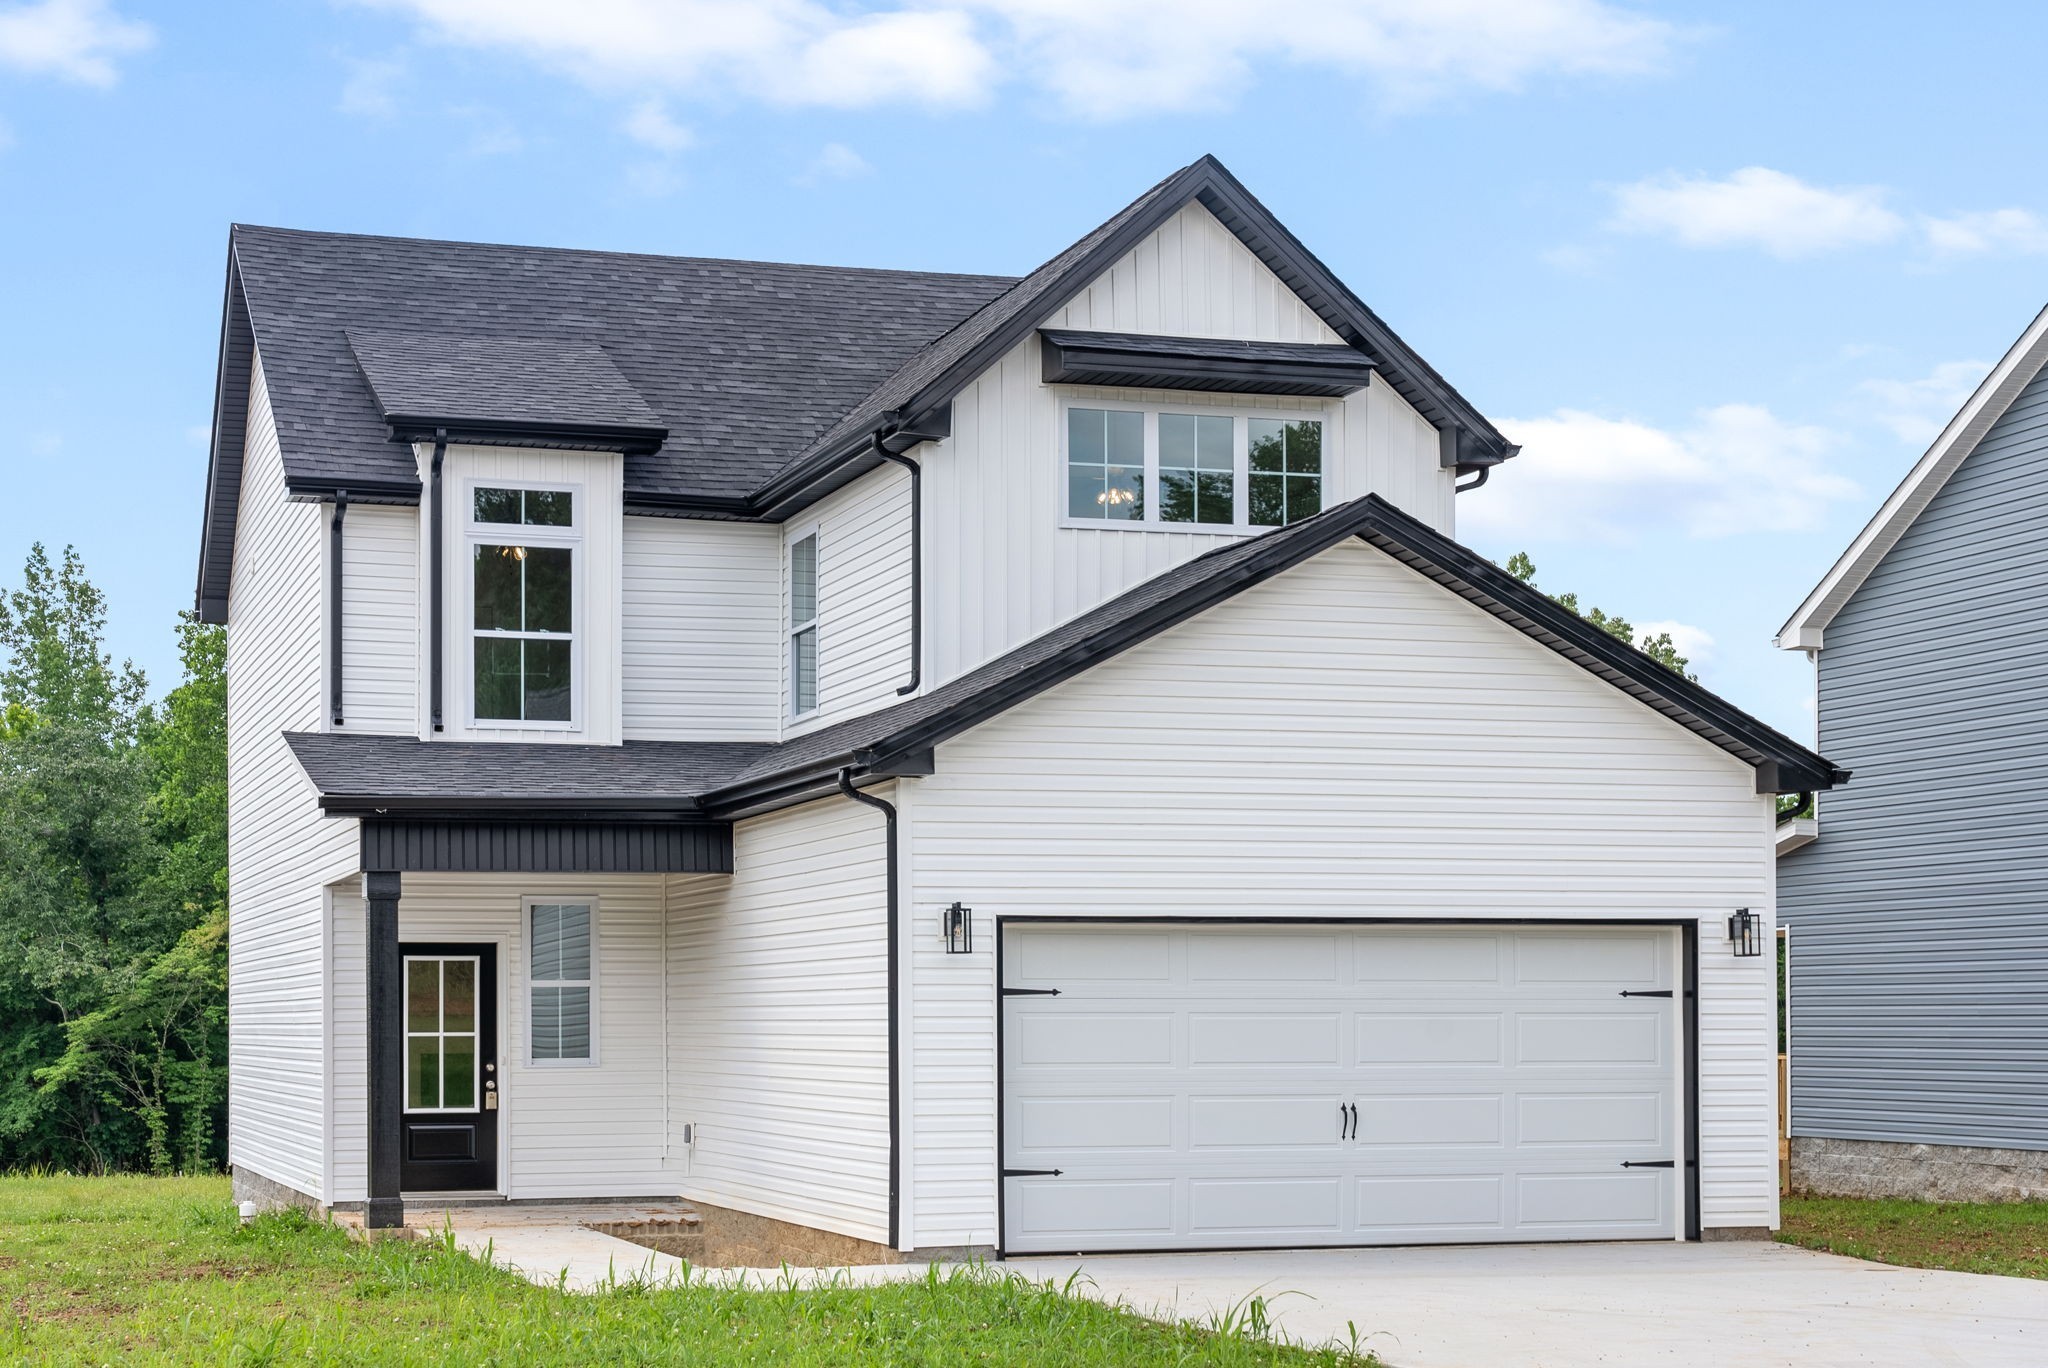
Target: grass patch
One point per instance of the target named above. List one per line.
(2009, 1238)
(151, 1270)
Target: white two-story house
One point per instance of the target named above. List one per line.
(953, 761)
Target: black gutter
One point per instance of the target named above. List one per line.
(1798, 809)
(334, 604)
(630, 439)
(434, 615)
(888, 811)
(1478, 479)
(916, 560)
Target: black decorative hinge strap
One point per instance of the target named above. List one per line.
(1031, 1173)
(1646, 992)
(1649, 1163)
(1031, 992)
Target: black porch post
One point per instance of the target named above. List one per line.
(385, 994)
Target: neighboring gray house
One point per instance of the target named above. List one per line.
(1916, 899)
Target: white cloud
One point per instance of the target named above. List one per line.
(78, 40)
(835, 161)
(371, 90)
(1101, 58)
(650, 125)
(1696, 644)
(1755, 207)
(1991, 230)
(1917, 410)
(1737, 469)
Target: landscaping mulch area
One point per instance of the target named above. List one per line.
(134, 1270)
(2009, 1238)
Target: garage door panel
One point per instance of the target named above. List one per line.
(1280, 1040)
(1288, 1207)
(1256, 1122)
(1636, 1120)
(1430, 1038)
(1249, 958)
(1093, 1125)
(1398, 1119)
(1375, 1085)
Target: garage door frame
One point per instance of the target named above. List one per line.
(1689, 1017)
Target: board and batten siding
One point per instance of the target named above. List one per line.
(778, 1028)
(1345, 740)
(1919, 919)
(380, 620)
(565, 1130)
(863, 597)
(280, 848)
(699, 615)
(1001, 569)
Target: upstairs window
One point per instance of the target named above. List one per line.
(524, 547)
(1287, 471)
(803, 625)
(1163, 468)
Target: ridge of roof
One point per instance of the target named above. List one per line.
(2023, 360)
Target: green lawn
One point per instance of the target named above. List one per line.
(142, 1270)
(1971, 1237)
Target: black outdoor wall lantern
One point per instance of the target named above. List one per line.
(956, 923)
(1746, 933)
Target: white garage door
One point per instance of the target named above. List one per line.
(1189, 1086)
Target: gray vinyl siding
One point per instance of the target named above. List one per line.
(1919, 919)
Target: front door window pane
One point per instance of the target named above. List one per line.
(423, 1089)
(441, 1034)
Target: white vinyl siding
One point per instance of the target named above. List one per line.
(863, 636)
(1004, 563)
(1346, 740)
(700, 610)
(778, 1031)
(380, 623)
(280, 848)
(594, 1130)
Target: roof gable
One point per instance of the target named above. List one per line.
(2022, 362)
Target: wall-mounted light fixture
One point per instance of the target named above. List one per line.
(956, 924)
(1746, 933)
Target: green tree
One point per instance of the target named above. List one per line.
(1659, 648)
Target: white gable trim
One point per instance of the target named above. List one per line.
(2013, 373)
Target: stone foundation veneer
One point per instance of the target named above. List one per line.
(1824, 1167)
(268, 1194)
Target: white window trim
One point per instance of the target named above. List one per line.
(475, 1035)
(495, 534)
(790, 628)
(1240, 463)
(528, 983)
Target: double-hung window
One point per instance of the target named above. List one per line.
(561, 981)
(524, 548)
(803, 625)
(1167, 467)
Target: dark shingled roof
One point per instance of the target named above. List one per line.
(357, 773)
(735, 779)
(745, 362)
(430, 378)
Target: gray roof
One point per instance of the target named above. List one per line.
(735, 779)
(744, 362)
(430, 377)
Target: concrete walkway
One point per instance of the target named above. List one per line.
(1569, 1306)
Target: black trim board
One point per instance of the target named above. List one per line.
(1136, 361)
(611, 847)
(230, 434)
(1688, 976)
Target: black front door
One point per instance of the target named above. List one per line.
(449, 1137)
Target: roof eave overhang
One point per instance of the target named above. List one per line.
(633, 440)
(556, 808)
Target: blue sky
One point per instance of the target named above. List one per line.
(1723, 268)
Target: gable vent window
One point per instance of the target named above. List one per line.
(524, 548)
(1287, 471)
(803, 625)
(561, 981)
(1133, 466)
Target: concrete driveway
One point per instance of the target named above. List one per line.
(1562, 1306)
